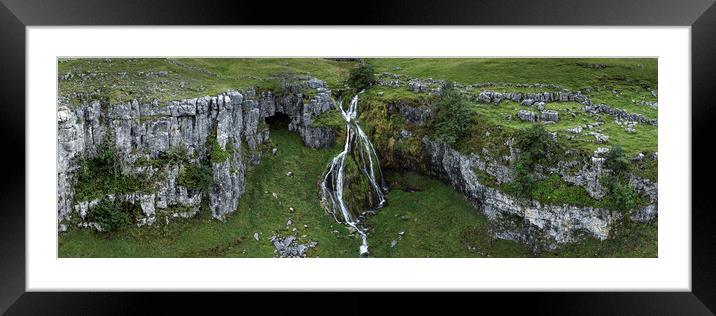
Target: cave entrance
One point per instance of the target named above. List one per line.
(278, 121)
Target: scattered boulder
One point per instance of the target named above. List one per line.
(600, 138)
(289, 247)
(256, 236)
(527, 116)
(527, 102)
(417, 86)
(575, 130)
(644, 214)
(601, 151)
(405, 134)
(314, 83)
(549, 116)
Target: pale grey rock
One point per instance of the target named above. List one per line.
(645, 186)
(417, 115)
(619, 113)
(417, 86)
(599, 138)
(527, 221)
(147, 204)
(406, 134)
(575, 130)
(314, 83)
(549, 116)
(645, 214)
(317, 137)
(601, 151)
(527, 116)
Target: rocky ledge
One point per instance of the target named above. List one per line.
(539, 225)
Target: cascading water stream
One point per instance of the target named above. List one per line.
(359, 147)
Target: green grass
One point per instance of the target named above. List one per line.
(634, 241)
(437, 222)
(565, 72)
(570, 115)
(123, 79)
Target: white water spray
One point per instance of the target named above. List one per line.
(362, 151)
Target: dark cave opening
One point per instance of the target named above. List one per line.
(278, 121)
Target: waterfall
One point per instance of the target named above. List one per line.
(358, 147)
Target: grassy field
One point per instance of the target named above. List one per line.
(163, 79)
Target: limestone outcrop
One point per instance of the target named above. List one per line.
(142, 135)
(537, 224)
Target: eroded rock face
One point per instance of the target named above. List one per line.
(531, 222)
(315, 137)
(148, 132)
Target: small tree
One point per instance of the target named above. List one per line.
(109, 216)
(453, 116)
(361, 77)
(620, 195)
(536, 146)
(615, 161)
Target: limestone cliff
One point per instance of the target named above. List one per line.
(141, 135)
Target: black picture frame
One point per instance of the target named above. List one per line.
(15, 15)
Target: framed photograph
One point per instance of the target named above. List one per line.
(474, 147)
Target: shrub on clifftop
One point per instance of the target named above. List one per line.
(361, 77)
(453, 117)
(536, 146)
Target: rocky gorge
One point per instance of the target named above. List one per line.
(192, 158)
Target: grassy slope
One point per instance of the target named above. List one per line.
(126, 79)
(436, 221)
